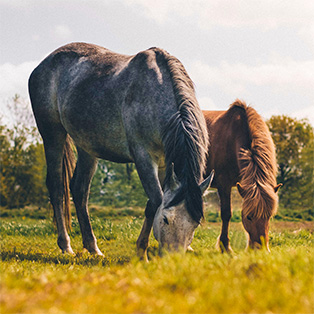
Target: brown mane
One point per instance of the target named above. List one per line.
(258, 167)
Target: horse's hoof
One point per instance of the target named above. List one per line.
(94, 251)
(227, 250)
(144, 258)
(68, 251)
(190, 249)
(142, 255)
(98, 253)
(224, 248)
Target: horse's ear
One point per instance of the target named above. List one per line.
(277, 187)
(207, 182)
(174, 183)
(240, 189)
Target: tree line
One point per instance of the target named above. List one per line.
(23, 167)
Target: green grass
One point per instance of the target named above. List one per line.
(37, 278)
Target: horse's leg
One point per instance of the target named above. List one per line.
(148, 173)
(143, 239)
(54, 147)
(80, 185)
(150, 211)
(225, 209)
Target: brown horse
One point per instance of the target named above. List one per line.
(242, 154)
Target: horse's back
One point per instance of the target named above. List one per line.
(211, 115)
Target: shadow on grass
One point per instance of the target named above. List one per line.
(84, 259)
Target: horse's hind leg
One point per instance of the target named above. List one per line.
(80, 185)
(225, 208)
(54, 150)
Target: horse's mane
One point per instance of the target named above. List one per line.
(185, 139)
(258, 167)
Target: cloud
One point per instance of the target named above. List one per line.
(285, 83)
(281, 76)
(307, 35)
(206, 103)
(62, 32)
(18, 3)
(265, 14)
(14, 78)
(307, 112)
(35, 37)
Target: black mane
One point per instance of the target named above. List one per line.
(185, 140)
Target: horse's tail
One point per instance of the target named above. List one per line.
(68, 165)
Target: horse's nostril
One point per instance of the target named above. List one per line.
(166, 220)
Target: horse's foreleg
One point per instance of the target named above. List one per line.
(80, 185)
(148, 174)
(225, 209)
(143, 239)
(54, 155)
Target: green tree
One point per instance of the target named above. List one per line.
(22, 160)
(294, 141)
(4, 148)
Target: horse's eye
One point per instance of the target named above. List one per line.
(166, 220)
(249, 218)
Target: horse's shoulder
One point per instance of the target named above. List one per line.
(145, 57)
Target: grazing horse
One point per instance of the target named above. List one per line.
(121, 108)
(242, 153)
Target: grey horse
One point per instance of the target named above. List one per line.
(121, 108)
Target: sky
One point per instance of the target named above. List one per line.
(261, 52)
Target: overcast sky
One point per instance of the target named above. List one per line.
(258, 51)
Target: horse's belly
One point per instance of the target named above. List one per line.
(97, 128)
(107, 143)
(110, 148)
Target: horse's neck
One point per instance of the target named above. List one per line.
(228, 134)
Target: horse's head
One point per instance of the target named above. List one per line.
(173, 225)
(256, 213)
(257, 228)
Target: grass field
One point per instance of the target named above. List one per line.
(37, 278)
